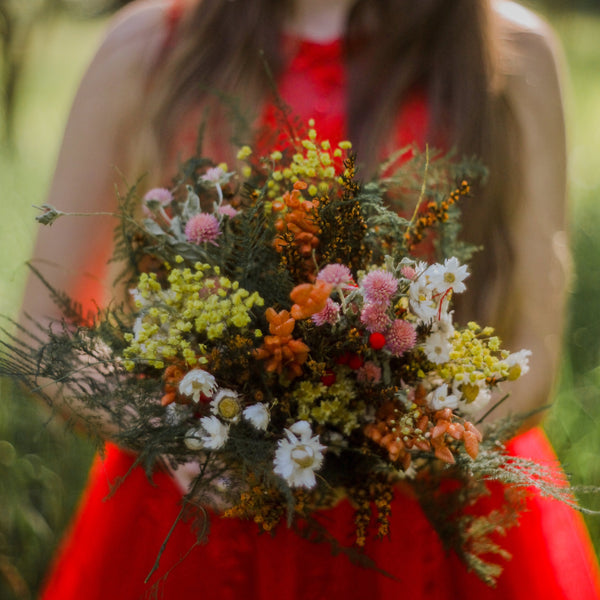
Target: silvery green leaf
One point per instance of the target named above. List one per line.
(177, 229)
(192, 204)
(153, 228)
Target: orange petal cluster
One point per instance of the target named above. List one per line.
(172, 376)
(383, 432)
(429, 433)
(282, 353)
(298, 220)
(467, 432)
(309, 298)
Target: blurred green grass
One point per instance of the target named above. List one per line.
(574, 423)
(43, 465)
(44, 475)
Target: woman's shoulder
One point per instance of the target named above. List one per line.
(136, 35)
(530, 42)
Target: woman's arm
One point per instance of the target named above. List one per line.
(73, 252)
(541, 266)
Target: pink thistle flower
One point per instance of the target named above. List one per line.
(337, 275)
(374, 317)
(161, 195)
(227, 210)
(408, 272)
(329, 314)
(214, 175)
(154, 203)
(401, 337)
(369, 373)
(379, 286)
(202, 228)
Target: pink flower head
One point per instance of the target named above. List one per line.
(328, 315)
(214, 175)
(379, 286)
(401, 337)
(161, 195)
(337, 275)
(227, 210)
(374, 317)
(369, 373)
(408, 272)
(202, 228)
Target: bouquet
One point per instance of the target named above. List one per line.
(283, 332)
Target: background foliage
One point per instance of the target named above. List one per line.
(42, 466)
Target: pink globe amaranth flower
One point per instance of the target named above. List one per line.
(408, 272)
(369, 373)
(379, 286)
(401, 337)
(337, 275)
(202, 228)
(329, 314)
(227, 210)
(375, 318)
(161, 195)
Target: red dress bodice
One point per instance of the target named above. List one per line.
(119, 530)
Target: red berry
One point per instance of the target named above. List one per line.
(328, 378)
(356, 361)
(377, 340)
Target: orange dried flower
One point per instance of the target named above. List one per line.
(282, 353)
(309, 298)
(172, 376)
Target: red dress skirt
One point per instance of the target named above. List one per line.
(119, 530)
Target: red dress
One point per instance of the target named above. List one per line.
(116, 537)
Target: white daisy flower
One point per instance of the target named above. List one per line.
(299, 455)
(439, 398)
(518, 364)
(449, 275)
(437, 348)
(214, 433)
(474, 396)
(226, 404)
(258, 415)
(443, 324)
(197, 382)
(421, 300)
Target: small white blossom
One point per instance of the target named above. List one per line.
(437, 348)
(439, 398)
(214, 433)
(226, 404)
(197, 382)
(473, 396)
(518, 364)
(449, 275)
(299, 455)
(421, 299)
(138, 299)
(258, 415)
(443, 324)
(193, 439)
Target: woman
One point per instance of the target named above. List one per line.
(466, 74)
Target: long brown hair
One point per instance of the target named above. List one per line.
(450, 49)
